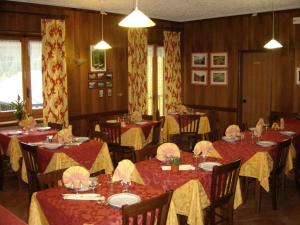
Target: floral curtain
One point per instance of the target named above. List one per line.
(172, 71)
(55, 91)
(137, 70)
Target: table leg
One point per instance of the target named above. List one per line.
(257, 195)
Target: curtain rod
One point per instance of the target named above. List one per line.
(51, 16)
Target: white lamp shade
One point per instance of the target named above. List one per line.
(272, 44)
(136, 19)
(102, 45)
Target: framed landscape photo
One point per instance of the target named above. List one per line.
(100, 75)
(92, 84)
(199, 59)
(97, 59)
(218, 60)
(101, 84)
(108, 84)
(298, 76)
(92, 76)
(101, 93)
(218, 77)
(199, 77)
(109, 92)
(108, 75)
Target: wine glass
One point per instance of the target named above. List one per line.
(125, 185)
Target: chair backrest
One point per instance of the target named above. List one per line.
(55, 126)
(98, 136)
(146, 153)
(151, 210)
(113, 131)
(281, 156)
(147, 117)
(189, 123)
(223, 185)
(30, 156)
(51, 179)
(156, 133)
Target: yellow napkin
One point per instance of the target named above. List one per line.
(167, 150)
(64, 135)
(258, 130)
(233, 131)
(124, 171)
(28, 123)
(275, 126)
(136, 116)
(181, 109)
(203, 147)
(261, 122)
(76, 177)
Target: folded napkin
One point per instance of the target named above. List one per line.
(181, 109)
(166, 151)
(281, 124)
(258, 130)
(275, 126)
(260, 122)
(203, 147)
(76, 177)
(136, 116)
(64, 135)
(95, 197)
(28, 123)
(233, 131)
(182, 167)
(124, 171)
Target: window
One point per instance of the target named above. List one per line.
(155, 79)
(20, 74)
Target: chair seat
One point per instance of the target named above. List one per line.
(185, 141)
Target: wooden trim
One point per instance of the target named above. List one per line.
(216, 108)
(108, 113)
(20, 33)
(44, 15)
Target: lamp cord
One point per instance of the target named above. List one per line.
(102, 24)
(273, 17)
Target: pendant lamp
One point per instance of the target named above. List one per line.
(136, 19)
(102, 44)
(273, 44)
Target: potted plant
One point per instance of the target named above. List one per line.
(18, 106)
(175, 162)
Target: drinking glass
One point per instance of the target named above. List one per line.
(125, 185)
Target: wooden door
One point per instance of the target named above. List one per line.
(257, 75)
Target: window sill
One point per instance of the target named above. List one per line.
(16, 123)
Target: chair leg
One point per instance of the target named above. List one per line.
(1, 172)
(257, 195)
(274, 195)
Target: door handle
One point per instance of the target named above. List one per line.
(244, 100)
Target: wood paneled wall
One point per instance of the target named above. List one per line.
(83, 28)
(246, 32)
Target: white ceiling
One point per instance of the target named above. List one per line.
(177, 10)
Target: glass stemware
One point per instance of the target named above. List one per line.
(125, 185)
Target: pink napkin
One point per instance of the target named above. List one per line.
(203, 147)
(233, 131)
(76, 177)
(167, 150)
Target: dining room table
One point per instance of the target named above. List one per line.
(49, 206)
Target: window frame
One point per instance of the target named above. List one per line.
(26, 77)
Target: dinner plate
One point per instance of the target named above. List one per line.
(43, 128)
(118, 200)
(141, 122)
(266, 143)
(81, 139)
(230, 139)
(111, 121)
(208, 166)
(15, 132)
(287, 133)
(52, 145)
(252, 128)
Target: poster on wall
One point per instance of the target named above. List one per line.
(199, 77)
(97, 59)
(199, 59)
(218, 60)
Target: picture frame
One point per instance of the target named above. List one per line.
(109, 75)
(101, 84)
(109, 92)
(199, 77)
(200, 60)
(218, 77)
(219, 60)
(108, 84)
(101, 93)
(97, 59)
(92, 84)
(92, 76)
(298, 76)
(100, 75)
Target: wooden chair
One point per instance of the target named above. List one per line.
(53, 179)
(147, 117)
(1, 171)
(30, 156)
(275, 116)
(156, 133)
(119, 152)
(98, 136)
(146, 153)
(149, 211)
(297, 168)
(223, 186)
(188, 132)
(55, 126)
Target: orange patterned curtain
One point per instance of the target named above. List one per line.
(55, 90)
(172, 70)
(137, 70)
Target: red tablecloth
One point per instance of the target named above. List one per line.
(85, 154)
(33, 136)
(146, 128)
(59, 211)
(8, 218)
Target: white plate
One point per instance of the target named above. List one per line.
(111, 121)
(208, 166)
(118, 200)
(287, 133)
(141, 122)
(81, 139)
(252, 128)
(265, 143)
(52, 145)
(43, 128)
(230, 139)
(15, 132)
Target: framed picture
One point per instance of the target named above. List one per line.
(92, 84)
(199, 60)
(108, 84)
(100, 75)
(298, 76)
(199, 77)
(101, 93)
(108, 75)
(101, 84)
(97, 59)
(92, 76)
(218, 60)
(218, 77)
(109, 92)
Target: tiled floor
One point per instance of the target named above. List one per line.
(287, 214)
